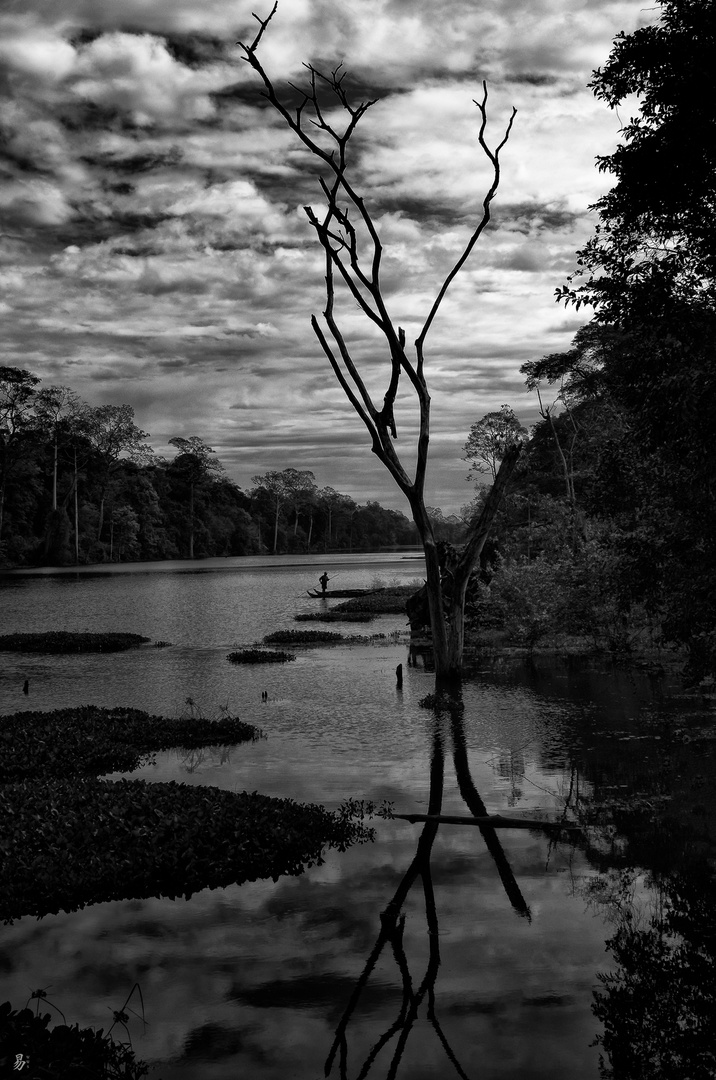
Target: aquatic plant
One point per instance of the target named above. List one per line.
(319, 637)
(91, 740)
(62, 1052)
(69, 843)
(61, 641)
(301, 637)
(429, 701)
(387, 602)
(260, 656)
(359, 809)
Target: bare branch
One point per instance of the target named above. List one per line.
(324, 237)
(263, 23)
(347, 388)
(494, 158)
(387, 413)
(341, 231)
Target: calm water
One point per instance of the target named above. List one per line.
(252, 981)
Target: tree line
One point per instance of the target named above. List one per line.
(81, 485)
(609, 526)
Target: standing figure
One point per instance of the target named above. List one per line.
(324, 579)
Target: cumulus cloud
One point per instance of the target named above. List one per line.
(34, 142)
(136, 73)
(156, 240)
(33, 202)
(35, 53)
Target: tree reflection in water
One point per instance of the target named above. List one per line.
(448, 727)
(658, 1003)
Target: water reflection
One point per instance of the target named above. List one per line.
(259, 980)
(658, 1005)
(198, 756)
(447, 729)
(649, 826)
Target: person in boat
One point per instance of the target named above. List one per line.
(324, 579)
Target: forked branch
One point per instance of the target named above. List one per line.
(347, 233)
(337, 235)
(494, 158)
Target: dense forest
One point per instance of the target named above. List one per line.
(80, 484)
(610, 525)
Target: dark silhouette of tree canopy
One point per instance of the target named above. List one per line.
(349, 238)
(285, 486)
(649, 272)
(653, 247)
(196, 466)
(489, 439)
(53, 451)
(113, 435)
(17, 398)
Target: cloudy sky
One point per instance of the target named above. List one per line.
(154, 249)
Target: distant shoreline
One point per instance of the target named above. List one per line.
(215, 562)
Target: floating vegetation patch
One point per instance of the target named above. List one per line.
(442, 701)
(260, 656)
(60, 641)
(318, 637)
(430, 701)
(89, 740)
(332, 616)
(62, 1052)
(302, 637)
(68, 843)
(386, 602)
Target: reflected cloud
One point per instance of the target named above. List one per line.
(448, 727)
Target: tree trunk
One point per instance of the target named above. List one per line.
(54, 474)
(477, 807)
(447, 614)
(275, 525)
(434, 591)
(191, 520)
(568, 471)
(77, 527)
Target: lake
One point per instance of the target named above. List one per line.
(502, 950)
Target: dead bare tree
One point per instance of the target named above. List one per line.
(348, 235)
